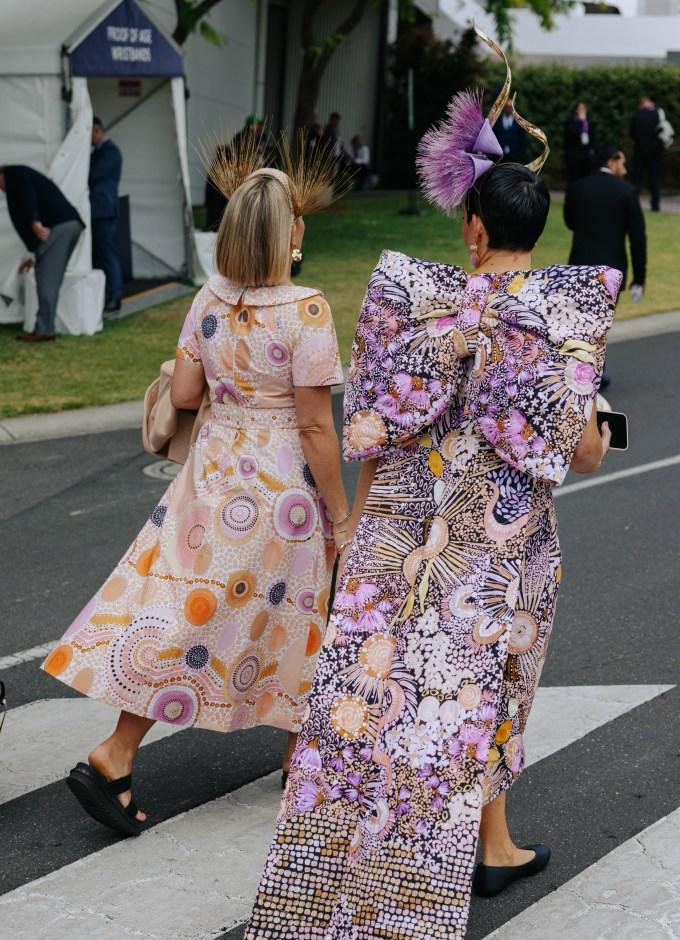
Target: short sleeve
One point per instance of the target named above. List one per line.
(187, 345)
(316, 355)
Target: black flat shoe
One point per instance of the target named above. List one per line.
(99, 798)
(490, 880)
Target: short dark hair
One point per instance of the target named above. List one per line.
(607, 152)
(513, 204)
(334, 114)
(97, 122)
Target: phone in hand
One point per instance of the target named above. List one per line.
(618, 425)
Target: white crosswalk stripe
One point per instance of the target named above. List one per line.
(208, 860)
(29, 758)
(633, 893)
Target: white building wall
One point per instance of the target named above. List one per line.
(226, 84)
(576, 39)
(349, 83)
(221, 81)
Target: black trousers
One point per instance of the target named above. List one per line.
(105, 256)
(647, 169)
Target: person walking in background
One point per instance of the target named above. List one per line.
(579, 142)
(603, 210)
(49, 227)
(332, 138)
(215, 615)
(106, 164)
(359, 156)
(314, 136)
(511, 136)
(647, 149)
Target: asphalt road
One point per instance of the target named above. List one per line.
(70, 507)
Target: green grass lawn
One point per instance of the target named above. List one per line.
(341, 248)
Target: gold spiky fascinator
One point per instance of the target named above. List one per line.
(453, 155)
(313, 175)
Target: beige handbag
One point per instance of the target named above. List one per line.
(168, 431)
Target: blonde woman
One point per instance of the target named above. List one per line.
(214, 616)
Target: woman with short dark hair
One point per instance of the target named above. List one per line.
(469, 397)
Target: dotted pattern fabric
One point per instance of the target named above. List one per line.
(214, 616)
(468, 391)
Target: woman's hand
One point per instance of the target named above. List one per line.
(593, 446)
(605, 439)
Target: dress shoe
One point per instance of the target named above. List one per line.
(112, 306)
(35, 337)
(490, 880)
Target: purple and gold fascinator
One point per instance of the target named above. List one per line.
(452, 156)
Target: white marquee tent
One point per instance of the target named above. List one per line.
(59, 62)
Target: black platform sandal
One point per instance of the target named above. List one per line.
(490, 880)
(99, 798)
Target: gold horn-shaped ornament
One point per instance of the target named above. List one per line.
(537, 164)
(502, 98)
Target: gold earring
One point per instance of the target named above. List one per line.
(296, 254)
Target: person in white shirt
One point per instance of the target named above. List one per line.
(360, 158)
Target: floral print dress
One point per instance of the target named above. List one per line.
(215, 615)
(473, 392)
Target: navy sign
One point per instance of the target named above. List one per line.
(126, 42)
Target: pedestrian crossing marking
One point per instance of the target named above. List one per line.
(194, 877)
(633, 892)
(29, 754)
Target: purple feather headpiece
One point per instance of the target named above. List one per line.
(452, 156)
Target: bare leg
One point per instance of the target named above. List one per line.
(114, 757)
(498, 849)
(290, 747)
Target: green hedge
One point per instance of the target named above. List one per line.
(546, 94)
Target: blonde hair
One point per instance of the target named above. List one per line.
(253, 241)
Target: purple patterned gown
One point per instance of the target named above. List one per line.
(473, 392)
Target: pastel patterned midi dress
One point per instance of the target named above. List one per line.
(215, 615)
(473, 392)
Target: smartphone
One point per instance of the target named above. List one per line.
(618, 425)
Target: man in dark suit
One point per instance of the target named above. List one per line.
(511, 136)
(106, 164)
(647, 149)
(49, 227)
(602, 210)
